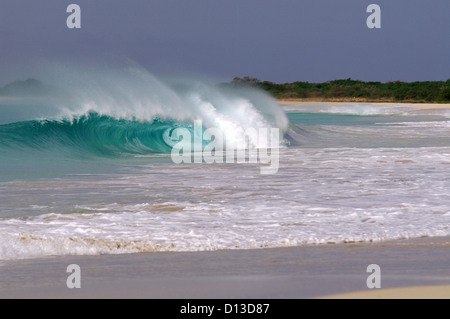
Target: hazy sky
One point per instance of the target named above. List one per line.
(275, 40)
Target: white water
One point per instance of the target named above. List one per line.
(318, 196)
(350, 181)
(133, 93)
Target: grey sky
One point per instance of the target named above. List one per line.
(275, 40)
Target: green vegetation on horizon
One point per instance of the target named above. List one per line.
(427, 91)
(338, 90)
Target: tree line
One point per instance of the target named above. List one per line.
(348, 89)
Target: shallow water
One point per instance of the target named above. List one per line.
(100, 184)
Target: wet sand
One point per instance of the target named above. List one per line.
(311, 271)
(421, 292)
(418, 268)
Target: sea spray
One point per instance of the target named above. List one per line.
(129, 111)
(190, 148)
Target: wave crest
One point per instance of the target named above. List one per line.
(130, 111)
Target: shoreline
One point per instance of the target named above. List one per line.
(411, 268)
(302, 272)
(358, 100)
(420, 106)
(417, 292)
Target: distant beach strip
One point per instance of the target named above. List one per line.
(348, 90)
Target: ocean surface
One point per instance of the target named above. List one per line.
(93, 174)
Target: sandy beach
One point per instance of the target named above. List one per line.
(246, 152)
(420, 292)
(419, 106)
(410, 268)
(311, 271)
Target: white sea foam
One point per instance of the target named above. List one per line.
(356, 109)
(335, 183)
(133, 93)
(318, 196)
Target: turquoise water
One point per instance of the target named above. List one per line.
(369, 131)
(314, 119)
(95, 176)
